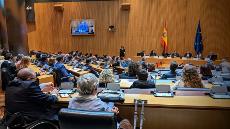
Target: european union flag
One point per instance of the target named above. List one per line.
(198, 44)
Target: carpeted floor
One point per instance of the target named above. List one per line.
(2, 104)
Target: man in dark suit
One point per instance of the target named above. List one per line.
(188, 55)
(152, 53)
(142, 81)
(60, 67)
(212, 56)
(175, 54)
(25, 96)
(122, 51)
(172, 73)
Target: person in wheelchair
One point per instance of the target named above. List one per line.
(24, 96)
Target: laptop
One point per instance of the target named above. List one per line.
(113, 86)
(163, 91)
(219, 92)
(66, 88)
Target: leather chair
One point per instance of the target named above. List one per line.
(5, 78)
(57, 77)
(80, 119)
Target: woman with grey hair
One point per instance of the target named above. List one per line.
(87, 97)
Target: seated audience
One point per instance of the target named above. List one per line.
(211, 65)
(23, 63)
(206, 72)
(133, 69)
(175, 54)
(50, 66)
(142, 53)
(152, 53)
(88, 67)
(61, 69)
(106, 76)
(8, 68)
(87, 98)
(212, 56)
(43, 60)
(125, 63)
(142, 81)
(143, 63)
(225, 66)
(106, 63)
(190, 78)
(76, 62)
(67, 58)
(172, 73)
(151, 67)
(165, 55)
(25, 96)
(188, 54)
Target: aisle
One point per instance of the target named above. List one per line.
(2, 103)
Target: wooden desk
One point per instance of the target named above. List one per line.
(166, 61)
(42, 78)
(192, 112)
(97, 67)
(45, 78)
(77, 71)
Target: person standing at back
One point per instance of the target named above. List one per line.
(122, 51)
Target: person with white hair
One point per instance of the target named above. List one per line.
(87, 97)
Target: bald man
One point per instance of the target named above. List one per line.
(25, 96)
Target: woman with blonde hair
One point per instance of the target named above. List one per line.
(23, 63)
(190, 78)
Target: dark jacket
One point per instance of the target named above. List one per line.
(188, 55)
(8, 71)
(26, 97)
(122, 52)
(62, 69)
(143, 84)
(10, 67)
(170, 74)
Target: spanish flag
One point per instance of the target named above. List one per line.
(164, 39)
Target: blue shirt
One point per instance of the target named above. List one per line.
(60, 67)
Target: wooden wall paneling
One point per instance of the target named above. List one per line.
(138, 29)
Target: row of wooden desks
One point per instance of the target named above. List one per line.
(197, 102)
(167, 61)
(179, 112)
(42, 78)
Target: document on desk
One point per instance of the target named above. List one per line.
(126, 83)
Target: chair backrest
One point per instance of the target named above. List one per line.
(5, 78)
(79, 119)
(57, 77)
